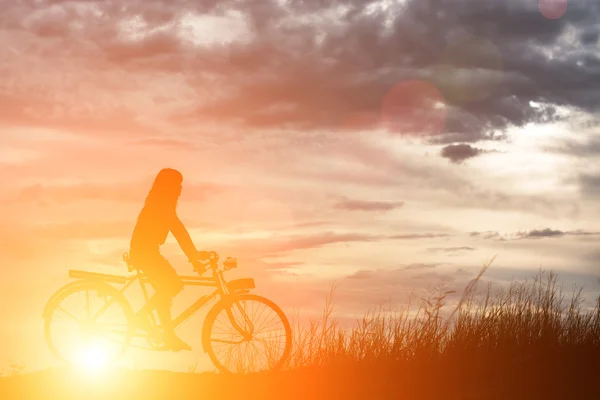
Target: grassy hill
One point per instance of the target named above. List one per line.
(563, 377)
(523, 342)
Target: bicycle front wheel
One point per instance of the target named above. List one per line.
(247, 333)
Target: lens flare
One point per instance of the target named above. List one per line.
(553, 9)
(414, 108)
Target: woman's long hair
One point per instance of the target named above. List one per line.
(166, 189)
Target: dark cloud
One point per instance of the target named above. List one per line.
(365, 205)
(553, 233)
(487, 59)
(531, 234)
(419, 236)
(364, 61)
(487, 235)
(457, 153)
(543, 233)
(449, 249)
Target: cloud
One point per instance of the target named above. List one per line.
(590, 185)
(556, 233)
(421, 266)
(48, 194)
(543, 233)
(279, 245)
(531, 234)
(163, 142)
(419, 236)
(590, 147)
(315, 66)
(365, 205)
(305, 82)
(86, 230)
(457, 153)
(487, 235)
(449, 249)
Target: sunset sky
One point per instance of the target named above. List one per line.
(386, 146)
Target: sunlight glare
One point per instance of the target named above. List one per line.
(93, 358)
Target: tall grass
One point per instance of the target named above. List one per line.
(510, 325)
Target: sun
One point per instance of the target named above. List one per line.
(92, 357)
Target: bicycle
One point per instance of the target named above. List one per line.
(241, 345)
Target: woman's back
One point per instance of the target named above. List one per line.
(157, 216)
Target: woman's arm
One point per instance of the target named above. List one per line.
(183, 238)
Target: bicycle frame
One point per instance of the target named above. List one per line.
(217, 281)
(221, 289)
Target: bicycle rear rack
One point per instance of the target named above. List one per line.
(76, 274)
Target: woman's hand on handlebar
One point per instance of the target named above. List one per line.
(202, 259)
(205, 256)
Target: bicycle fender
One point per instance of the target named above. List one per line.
(241, 285)
(70, 285)
(58, 293)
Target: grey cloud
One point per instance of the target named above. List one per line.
(327, 71)
(418, 236)
(543, 233)
(366, 205)
(531, 234)
(487, 235)
(553, 233)
(457, 153)
(421, 266)
(449, 249)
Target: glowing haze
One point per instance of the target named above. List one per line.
(387, 146)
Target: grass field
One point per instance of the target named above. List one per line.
(526, 341)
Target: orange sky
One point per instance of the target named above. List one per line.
(95, 101)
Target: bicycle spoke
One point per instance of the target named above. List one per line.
(259, 353)
(104, 308)
(266, 324)
(270, 330)
(227, 341)
(68, 314)
(249, 335)
(261, 313)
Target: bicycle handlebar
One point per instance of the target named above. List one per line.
(211, 258)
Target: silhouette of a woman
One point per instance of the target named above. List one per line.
(157, 218)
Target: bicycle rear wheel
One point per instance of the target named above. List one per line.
(247, 333)
(89, 324)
